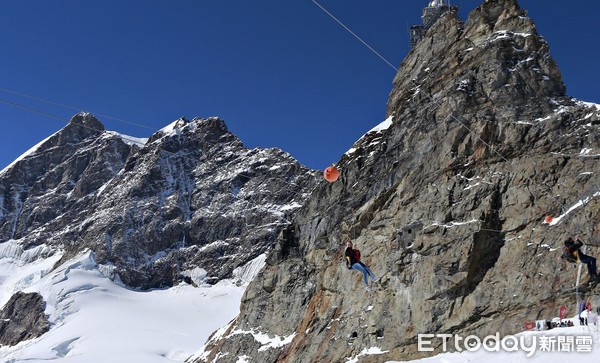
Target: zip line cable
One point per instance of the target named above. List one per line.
(18, 105)
(356, 36)
(43, 113)
(45, 100)
(50, 102)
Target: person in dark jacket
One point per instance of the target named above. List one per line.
(574, 245)
(353, 262)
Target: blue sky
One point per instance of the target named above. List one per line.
(280, 73)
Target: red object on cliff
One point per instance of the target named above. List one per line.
(331, 174)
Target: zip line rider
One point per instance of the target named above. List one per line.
(574, 249)
(353, 262)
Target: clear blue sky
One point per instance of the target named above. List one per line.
(279, 72)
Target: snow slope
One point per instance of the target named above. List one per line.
(94, 319)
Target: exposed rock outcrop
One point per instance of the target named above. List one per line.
(23, 318)
(447, 206)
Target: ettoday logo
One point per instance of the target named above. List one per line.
(510, 343)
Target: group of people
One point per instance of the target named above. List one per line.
(572, 246)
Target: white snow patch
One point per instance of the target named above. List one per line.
(129, 140)
(291, 206)
(197, 275)
(213, 245)
(174, 128)
(524, 123)
(379, 128)
(472, 186)
(351, 151)
(383, 125)
(89, 313)
(264, 339)
(366, 351)
(20, 269)
(248, 272)
(589, 104)
(579, 204)
(452, 224)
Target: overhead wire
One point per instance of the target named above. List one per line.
(47, 114)
(63, 105)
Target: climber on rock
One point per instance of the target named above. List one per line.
(574, 248)
(352, 256)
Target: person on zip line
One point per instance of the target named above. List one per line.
(573, 246)
(353, 262)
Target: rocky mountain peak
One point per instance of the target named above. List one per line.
(191, 197)
(87, 120)
(207, 131)
(80, 126)
(495, 57)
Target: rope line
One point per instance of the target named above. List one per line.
(18, 105)
(50, 102)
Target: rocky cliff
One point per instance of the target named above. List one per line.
(447, 205)
(22, 318)
(189, 203)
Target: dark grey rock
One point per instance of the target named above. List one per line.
(23, 318)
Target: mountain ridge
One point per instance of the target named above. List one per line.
(83, 187)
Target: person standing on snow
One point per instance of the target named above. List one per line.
(353, 262)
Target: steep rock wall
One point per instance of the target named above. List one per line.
(447, 206)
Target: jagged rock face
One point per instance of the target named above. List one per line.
(196, 197)
(23, 318)
(46, 190)
(192, 197)
(446, 206)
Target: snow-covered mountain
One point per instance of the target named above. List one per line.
(190, 204)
